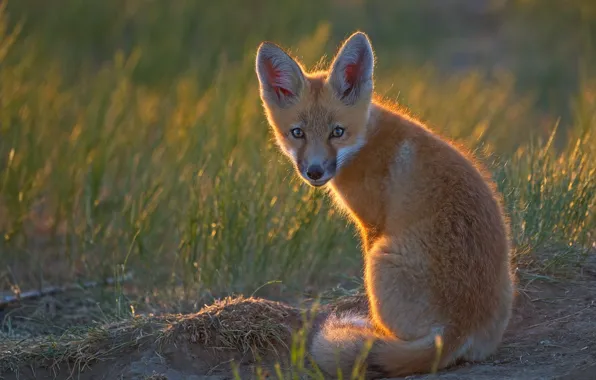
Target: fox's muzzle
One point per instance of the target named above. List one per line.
(315, 172)
(318, 173)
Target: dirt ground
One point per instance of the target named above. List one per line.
(552, 335)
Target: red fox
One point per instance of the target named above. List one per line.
(435, 237)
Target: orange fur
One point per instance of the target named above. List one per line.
(435, 238)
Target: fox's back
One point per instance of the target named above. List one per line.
(410, 184)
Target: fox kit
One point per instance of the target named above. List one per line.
(436, 246)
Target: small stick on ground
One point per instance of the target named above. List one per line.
(7, 300)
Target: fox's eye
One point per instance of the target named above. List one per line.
(298, 133)
(337, 132)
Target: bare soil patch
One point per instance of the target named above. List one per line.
(552, 335)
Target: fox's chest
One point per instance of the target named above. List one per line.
(363, 198)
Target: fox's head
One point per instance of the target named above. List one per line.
(319, 119)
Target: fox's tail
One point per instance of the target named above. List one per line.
(341, 344)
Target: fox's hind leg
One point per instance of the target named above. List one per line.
(398, 295)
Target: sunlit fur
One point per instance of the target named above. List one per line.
(434, 234)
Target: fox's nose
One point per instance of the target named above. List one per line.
(314, 172)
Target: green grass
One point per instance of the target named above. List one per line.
(132, 138)
(105, 170)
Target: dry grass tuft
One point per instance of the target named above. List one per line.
(75, 349)
(243, 325)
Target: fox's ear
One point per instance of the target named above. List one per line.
(280, 77)
(352, 69)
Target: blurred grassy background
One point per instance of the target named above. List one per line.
(132, 135)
